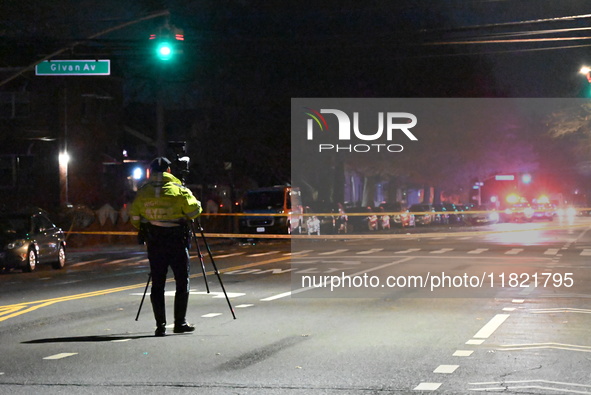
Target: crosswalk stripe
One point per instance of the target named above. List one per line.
(441, 251)
(586, 252)
(298, 252)
(478, 251)
(262, 254)
(514, 251)
(370, 251)
(117, 261)
(407, 251)
(551, 251)
(333, 252)
(86, 262)
(229, 255)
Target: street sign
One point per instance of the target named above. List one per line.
(74, 67)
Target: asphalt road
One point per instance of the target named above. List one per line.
(505, 309)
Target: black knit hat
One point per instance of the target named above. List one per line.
(159, 165)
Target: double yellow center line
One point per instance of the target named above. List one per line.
(14, 310)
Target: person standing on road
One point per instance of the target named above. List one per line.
(162, 211)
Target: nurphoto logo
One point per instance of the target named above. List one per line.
(391, 123)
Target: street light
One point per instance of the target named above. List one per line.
(586, 70)
(64, 159)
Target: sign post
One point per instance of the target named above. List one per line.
(74, 67)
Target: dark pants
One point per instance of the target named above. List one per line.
(168, 247)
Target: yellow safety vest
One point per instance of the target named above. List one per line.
(163, 201)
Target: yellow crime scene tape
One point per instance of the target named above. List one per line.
(342, 236)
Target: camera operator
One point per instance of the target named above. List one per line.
(162, 211)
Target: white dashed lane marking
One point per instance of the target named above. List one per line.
(210, 315)
(274, 297)
(446, 369)
(491, 326)
(61, 355)
(427, 387)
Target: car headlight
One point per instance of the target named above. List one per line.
(16, 244)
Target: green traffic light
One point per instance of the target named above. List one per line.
(164, 51)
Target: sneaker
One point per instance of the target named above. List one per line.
(160, 331)
(184, 328)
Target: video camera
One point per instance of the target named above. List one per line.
(180, 161)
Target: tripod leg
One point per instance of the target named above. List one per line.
(217, 273)
(200, 256)
(143, 297)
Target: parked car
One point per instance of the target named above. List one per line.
(544, 211)
(361, 219)
(482, 215)
(399, 215)
(454, 212)
(520, 212)
(442, 215)
(424, 214)
(28, 238)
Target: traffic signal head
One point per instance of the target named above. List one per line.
(167, 43)
(526, 178)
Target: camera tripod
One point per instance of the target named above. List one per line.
(216, 271)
